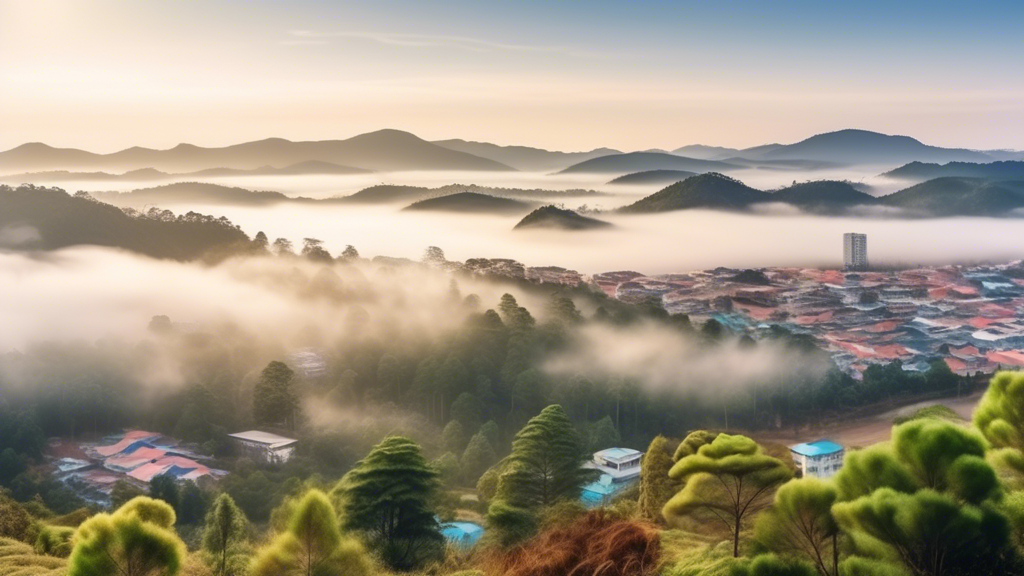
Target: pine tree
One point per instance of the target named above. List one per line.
(1000, 418)
(137, 540)
(929, 501)
(693, 441)
(312, 545)
(800, 523)
(731, 478)
(478, 457)
(273, 399)
(226, 528)
(387, 498)
(453, 437)
(656, 488)
(604, 435)
(546, 462)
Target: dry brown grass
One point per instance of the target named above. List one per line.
(594, 545)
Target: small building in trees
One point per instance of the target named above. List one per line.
(619, 467)
(819, 459)
(264, 446)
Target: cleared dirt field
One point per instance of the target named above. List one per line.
(867, 430)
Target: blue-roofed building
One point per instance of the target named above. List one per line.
(619, 467)
(819, 459)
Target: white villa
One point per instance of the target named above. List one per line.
(820, 459)
(265, 446)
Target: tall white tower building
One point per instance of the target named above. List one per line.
(855, 251)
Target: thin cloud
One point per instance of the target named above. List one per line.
(419, 41)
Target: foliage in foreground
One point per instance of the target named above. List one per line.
(312, 545)
(136, 540)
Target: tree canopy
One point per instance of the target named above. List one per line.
(731, 478)
(387, 497)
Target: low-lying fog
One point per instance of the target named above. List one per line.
(662, 243)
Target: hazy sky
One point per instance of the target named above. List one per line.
(106, 74)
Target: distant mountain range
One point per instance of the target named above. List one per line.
(941, 197)
(920, 171)
(310, 167)
(864, 147)
(524, 157)
(395, 150)
(384, 150)
(471, 202)
(552, 217)
(205, 193)
(850, 147)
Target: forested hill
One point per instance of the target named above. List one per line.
(34, 218)
(920, 171)
(711, 191)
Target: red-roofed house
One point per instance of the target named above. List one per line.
(1006, 357)
(126, 442)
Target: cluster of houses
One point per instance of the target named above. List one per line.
(138, 456)
(970, 317)
(620, 468)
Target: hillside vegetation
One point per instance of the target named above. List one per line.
(559, 218)
(48, 219)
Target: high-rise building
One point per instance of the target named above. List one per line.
(855, 251)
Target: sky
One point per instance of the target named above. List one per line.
(106, 74)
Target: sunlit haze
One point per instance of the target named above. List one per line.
(104, 75)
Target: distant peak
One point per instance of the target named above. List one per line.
(389, 133)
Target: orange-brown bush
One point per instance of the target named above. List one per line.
(594, 545)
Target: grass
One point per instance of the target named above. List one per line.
(936, 411)
(18, 559)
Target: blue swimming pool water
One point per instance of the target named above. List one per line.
(462, 534)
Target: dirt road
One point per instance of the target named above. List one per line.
(868, 430)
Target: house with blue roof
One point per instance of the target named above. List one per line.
(819, 459)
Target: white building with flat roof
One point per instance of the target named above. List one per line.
(820, 459)
(265, 446)
(855, 251)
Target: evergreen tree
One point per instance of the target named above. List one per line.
(387, 498)
(656, 488)
(192, 504)
(478, 457)
(604, 435)
(467, 410)
(312, 545)
(453, 438)
(137, 540)
(731, 478)
(273, 398)
(122, 492)
(493, 434)
(226, 528)
(165, 487)
(1000, 418)
(800, 523)
(313, 248)
(260, 241)
(929, 502)
(350, 253)
(546, 464)
(693, 441)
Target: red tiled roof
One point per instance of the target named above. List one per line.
(955, 364)
(1006, 357)
(125, 442)
(887, 326)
